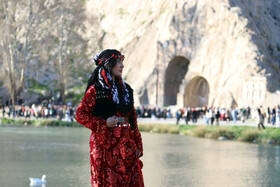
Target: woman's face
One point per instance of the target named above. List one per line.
(118, 68)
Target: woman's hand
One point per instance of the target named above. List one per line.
(111, 121)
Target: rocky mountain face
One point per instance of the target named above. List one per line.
(215, 53)
(182, 52)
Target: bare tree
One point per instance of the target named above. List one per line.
(14, 61)
(71, 44)
(7, 42)
(25, 46)
(46, 37)
(62, 45)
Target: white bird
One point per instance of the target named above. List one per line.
(35, 181)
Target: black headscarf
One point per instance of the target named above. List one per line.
(105, 61)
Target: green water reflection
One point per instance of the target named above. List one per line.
(170, 160)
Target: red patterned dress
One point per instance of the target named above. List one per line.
(112, 150)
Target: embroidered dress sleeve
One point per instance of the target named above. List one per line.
(84, 112)
(137, 135)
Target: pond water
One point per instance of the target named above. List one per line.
(62, 154)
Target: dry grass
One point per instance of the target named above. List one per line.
(221, 131)
(199, 131)
(159, 128)
(249, 135)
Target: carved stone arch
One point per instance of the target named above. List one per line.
(196, 92)
(174, 74)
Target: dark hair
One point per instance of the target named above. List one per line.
(105, 54)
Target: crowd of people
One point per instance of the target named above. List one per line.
(211, 115)
(46, 109)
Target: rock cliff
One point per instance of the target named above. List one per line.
(195, 52)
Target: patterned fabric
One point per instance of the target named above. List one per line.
(107, 82)
(112, 150)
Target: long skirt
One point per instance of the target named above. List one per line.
(113, 161)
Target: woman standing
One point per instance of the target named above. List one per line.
(107, 109)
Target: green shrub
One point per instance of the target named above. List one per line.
(238, 130)
(186, 127)
(75, 97)
(8, 121)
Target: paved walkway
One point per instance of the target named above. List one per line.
(201, 122)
